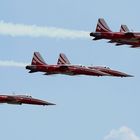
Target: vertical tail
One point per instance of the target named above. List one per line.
(37, 59)
(124, 28)
(63, 59)
(102, 26)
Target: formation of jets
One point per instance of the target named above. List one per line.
(123, 37)
(22, 99)
(63, 66)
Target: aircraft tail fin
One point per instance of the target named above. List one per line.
(102, 26)
(124, 28)
(37, 59)
(63, 59)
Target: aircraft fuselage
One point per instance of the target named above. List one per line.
(66, 69)
(18, 99)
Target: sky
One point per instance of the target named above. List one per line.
(97, 108)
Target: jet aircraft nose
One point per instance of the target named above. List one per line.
(48, 103)
(129, 75)
(125, 75)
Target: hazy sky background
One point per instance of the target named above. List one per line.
(87, 107)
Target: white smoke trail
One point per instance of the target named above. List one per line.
(12, 64)
(14, 30)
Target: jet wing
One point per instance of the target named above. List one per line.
(112, 41)
(98, 72)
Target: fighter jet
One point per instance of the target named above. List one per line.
(22, 99)
(124, 37)
(39, 65)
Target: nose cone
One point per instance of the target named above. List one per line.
(124, 75)
(129, 75)
(48, 103)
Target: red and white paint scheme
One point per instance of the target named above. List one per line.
(22, 99)
(64, 66)
(124, 28)
(124, 37)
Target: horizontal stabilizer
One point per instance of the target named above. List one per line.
(46, 73)
(111, 41)
(97, 38)
(32, 71)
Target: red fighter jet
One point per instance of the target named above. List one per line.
(22, 99)
(39, 65)
(124, 37)
(64, 67)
